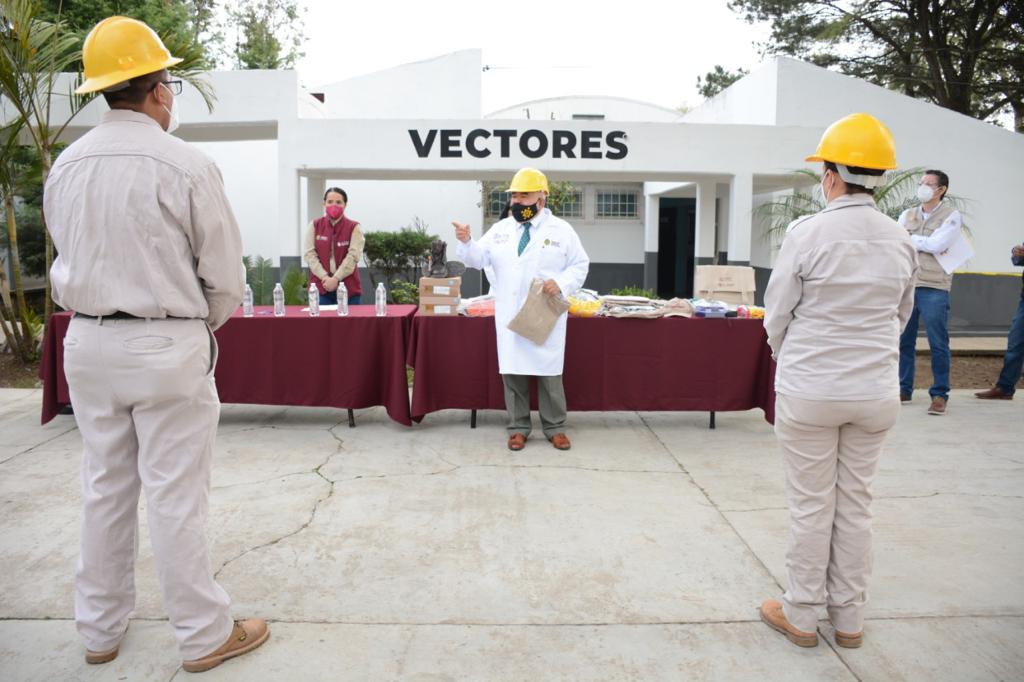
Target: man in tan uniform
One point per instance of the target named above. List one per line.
(150, 263)
(839, 295)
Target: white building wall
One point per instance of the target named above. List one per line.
(566, 108)
(448, 86)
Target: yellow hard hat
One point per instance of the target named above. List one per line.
(118, 49)
(857, 140)
(529, 180)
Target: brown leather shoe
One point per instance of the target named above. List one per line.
(245, 636)
(938, 406)
(560, 441)
(848, 641)
(904, 397)
(774, 617)
(516, 442)
(994, 393)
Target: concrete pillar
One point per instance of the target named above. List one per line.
(704, 240)
(316, 185)
(652, 215)
(741, 204)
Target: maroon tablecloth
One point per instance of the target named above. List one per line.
(328, 361)
(668, 364)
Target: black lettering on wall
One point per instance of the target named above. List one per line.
(614, 142)
(471, 147)
(505, 136)
(450, 141)
(563, 142)
(591, 144)
(422, 148)
(542, 144)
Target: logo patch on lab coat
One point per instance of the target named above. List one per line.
(501, 238)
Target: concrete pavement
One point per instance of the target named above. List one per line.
(433, 553)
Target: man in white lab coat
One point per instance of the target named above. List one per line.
(531, 243)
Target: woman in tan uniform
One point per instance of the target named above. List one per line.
(839, 295)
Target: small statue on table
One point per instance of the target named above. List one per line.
(439, 265)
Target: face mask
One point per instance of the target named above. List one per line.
(925, 193)
(334, 211)
(523, 213)
(173, 123)
(824, 193)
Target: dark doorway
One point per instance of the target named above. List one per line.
(677, 221)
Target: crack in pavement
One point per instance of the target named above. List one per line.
(312, 516)
(39, 445)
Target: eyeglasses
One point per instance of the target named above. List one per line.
(173, 86)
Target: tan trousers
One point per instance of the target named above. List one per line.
(147, 408)
(550, 401)
(830, 452)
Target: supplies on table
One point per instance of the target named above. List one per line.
(584, 303)
(478, 306)
(630, 306)
(727, 283)
(440, 296)
(711, 308)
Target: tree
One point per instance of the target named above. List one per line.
(177, 22)
(718, 79)
(270, 34)
(965, 55)
(34, 55)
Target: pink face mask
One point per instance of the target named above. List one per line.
(334, 211)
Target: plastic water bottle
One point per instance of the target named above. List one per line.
(382, 300)
(247, 302)
(314, 301)
(342, 299)
(278, 300)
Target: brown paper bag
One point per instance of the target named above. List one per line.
(728, 283)
(539, 313)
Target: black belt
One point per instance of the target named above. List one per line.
(119, 315)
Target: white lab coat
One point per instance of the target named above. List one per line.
(554, 252)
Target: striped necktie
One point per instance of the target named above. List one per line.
(525, 239)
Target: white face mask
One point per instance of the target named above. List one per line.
(173, 123)
(925, 193)
(824, 193)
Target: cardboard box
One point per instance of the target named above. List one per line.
(440, 286)
(728, 283)
(440, 306)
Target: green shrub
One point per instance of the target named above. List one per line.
(405, 293)
(634, 291)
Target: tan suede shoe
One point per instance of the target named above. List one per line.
(245, 636)
(774, 617)
(848, 641)
(97, 657)
(938, 406)
(994, 393)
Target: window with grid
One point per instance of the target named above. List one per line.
(616, 205)
(496, 200)
(572, 207)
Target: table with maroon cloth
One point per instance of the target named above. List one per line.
(328, 361)
(665, 364)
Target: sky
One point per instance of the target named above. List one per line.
(639, 49)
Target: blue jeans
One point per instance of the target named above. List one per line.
(1013, 363)
(331, 298)
(931, 305)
